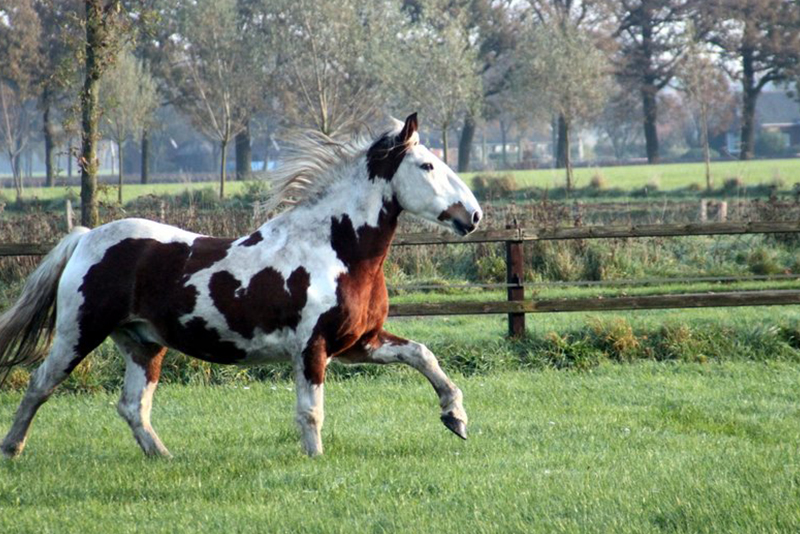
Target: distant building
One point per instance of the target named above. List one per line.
(776, 111)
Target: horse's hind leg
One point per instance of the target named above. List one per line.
(59, 363)
(142, 369)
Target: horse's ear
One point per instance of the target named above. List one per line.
(409, 131)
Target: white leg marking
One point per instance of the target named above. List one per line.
(310, 414)
(397, 350)
(137, 395)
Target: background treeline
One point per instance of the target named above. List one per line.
(74, 71)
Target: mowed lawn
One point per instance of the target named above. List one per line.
(644, 447)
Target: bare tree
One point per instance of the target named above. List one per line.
(128, 100)
(705, 86)
(214, 75)
(436, 71)
(565, 73)
(620, 120)
(21, 58)
(330, 59)
(583, 16)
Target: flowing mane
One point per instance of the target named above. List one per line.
(314, 161)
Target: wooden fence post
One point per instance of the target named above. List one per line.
(514, 277)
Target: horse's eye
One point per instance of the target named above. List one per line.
(426, 166)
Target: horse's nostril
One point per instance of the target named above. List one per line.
(476, 217)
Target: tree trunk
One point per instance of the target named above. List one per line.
(504, 152)
(650, 108)
(465, 143)
(223, 152)
(16, 172)
(749, 97)
(444, 144)
(706, 150)
(145, 171)
(119, 181)
(70, 155)
(562, 144)
(567, 156)
(244, 156)
(95, 36)
(49, 148)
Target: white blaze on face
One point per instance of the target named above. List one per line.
(428, 188)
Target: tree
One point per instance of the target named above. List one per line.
(759, 43)
(57, 74)
(106, 31)
(128, 100)
(582, 16)
(619, 120)
(495, 27)
(20, 29)
(330, 59)
(567, 74)
(214, 74)
(704, 85)
(651, 46)
(436, 72)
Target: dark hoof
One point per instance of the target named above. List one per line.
(455, 425)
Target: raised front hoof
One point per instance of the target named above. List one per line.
(456, 426)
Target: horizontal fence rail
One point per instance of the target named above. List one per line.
(644, 302)
(517, 306)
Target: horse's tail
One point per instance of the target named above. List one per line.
(26, 329)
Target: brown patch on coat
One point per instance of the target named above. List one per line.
(254, 238)
(362, 302)
(150, 358)
(264, 303)
(455, 211)
(146, 278)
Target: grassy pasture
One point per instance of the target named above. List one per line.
(669, 175)
(638, 448)
(630, 177)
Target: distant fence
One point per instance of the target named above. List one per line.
(516, 306)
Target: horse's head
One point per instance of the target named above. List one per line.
(422, 183)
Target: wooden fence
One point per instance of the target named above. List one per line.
(516, 306)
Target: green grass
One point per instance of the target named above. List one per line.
(667, 175)
(131, 191)
(631, 177)
(638, 448)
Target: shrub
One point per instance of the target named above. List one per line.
(598, 181)
(732, 184)
(696, 154)
(771, 144)
(494, 186)
(763, 261)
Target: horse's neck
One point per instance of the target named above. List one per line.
(358, 216)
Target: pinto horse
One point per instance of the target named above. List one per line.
(306, 287)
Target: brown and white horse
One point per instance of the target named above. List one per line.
(306, 287)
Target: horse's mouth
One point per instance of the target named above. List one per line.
(463, 229)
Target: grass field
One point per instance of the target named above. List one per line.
(670, 175)
(637, 448)
(784, 172)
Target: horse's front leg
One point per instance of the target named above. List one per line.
(389, 348)
(310, 377)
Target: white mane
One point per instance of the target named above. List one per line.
(312, 164)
